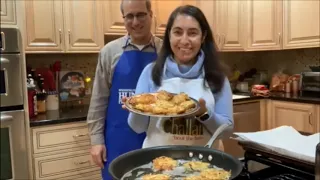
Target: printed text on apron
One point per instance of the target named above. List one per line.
(119, 137)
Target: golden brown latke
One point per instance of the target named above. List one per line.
(162, 102)
(164, 163)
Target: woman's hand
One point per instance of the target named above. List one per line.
(203, 109)
(123, 100)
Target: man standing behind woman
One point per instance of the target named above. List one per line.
(119, 66)
(187, 63)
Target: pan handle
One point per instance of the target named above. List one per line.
(221, 128)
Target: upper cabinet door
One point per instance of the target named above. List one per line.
(162, 10)
(44, 26)
(231, 18)
(83, 25)
(301, 24)
(112, 18)
(210, 10)
(8, 12)
(264, 25)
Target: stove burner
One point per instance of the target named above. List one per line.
(280, 168)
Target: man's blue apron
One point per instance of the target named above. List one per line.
(119, 137)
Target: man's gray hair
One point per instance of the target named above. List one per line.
(148, 5)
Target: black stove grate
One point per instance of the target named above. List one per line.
(286, 177)
(280, 168)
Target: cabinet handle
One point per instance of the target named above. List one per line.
(6, 118)
(3, 44)
(69, 33)
(81, 162)
(279, 36)
(60, 36)
(79, 135)
(310, 121)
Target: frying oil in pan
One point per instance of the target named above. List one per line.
(178, 173)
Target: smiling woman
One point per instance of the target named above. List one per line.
(187, 63)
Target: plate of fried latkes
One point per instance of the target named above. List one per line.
(162, 104)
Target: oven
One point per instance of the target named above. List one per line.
(10, 74)
(13, 149)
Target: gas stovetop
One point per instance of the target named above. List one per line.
(274, 173)
(279, 167)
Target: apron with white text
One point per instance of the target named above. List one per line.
(119, 137)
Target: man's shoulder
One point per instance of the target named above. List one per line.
(158, 42)
(114, 46)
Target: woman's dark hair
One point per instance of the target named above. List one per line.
(214, 73)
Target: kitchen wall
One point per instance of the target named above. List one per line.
(293, 61)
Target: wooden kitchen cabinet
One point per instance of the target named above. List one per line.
(263, 25)
(162, 11)
(62, 152)
(113, 23)
(8, 12)
(246, 119)
(301, 116)
(63, 26)
(301, 28)
(230, 27)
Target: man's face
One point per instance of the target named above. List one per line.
(137, 19)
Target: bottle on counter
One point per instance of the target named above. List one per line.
(41, 101)
(32, 97)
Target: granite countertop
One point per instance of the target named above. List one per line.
(72, 114)
(79, 113)
(312, 98)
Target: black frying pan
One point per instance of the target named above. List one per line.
(126, 162)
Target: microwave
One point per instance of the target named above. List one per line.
(310, 82)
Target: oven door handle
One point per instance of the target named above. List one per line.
(6, 118)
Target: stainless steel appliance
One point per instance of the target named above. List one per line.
(13, 151)
(310, 82)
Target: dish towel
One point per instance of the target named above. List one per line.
(285, 141)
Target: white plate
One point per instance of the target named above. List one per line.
(188, 113)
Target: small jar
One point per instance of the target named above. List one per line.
(41, 102)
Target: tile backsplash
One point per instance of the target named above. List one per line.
(292, 61)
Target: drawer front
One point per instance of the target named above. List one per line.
(64, 165)
(53, 138)
(246, 107)
(95, 175)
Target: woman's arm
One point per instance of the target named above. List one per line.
(137, 122)
(222, 112)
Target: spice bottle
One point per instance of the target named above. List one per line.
(32, 97)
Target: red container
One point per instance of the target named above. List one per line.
(32, 102)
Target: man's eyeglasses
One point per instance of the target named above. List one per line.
(141, 16)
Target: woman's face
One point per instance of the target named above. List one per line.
(185, 39)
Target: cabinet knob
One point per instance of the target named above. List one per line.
(79, 135)
(81, 162)
(69, 33)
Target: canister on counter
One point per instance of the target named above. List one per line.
(52, 100)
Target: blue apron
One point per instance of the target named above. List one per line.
(119, 137)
